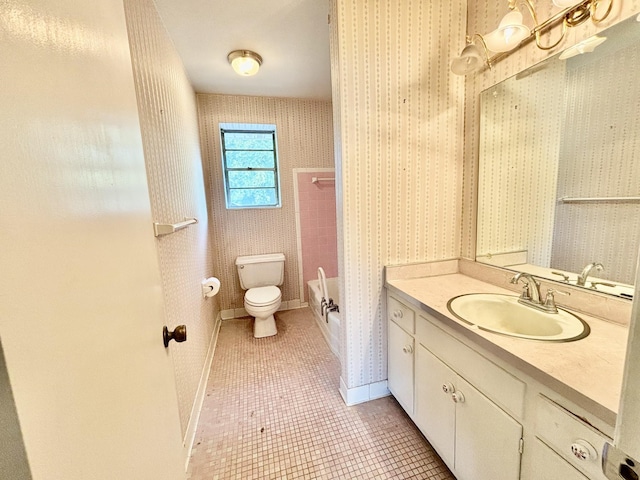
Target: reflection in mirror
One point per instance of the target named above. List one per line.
(559, 179)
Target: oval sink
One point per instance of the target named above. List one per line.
(503, 314)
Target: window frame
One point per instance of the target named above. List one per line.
(263, 129)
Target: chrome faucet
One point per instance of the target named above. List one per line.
(531, 290)
(531, 296)
(582, 278)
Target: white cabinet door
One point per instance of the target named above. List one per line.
(400, 366)
(435, 410)
(487, 439)
(548, 465)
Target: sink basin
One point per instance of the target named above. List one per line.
(503, 314)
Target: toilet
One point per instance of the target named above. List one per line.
(260, 276)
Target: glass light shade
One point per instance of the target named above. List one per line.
(509, 33)
(469, 61)
(586, 46)
(245, 62)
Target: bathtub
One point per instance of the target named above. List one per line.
(329, 325)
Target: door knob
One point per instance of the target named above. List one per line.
(179, 334)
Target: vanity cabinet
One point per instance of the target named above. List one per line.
(467, 425)
(499, 408)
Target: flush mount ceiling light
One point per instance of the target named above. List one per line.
(512, 32)
(245, 62)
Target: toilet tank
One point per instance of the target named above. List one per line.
(260, 270)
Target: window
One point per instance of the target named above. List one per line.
(250, 165)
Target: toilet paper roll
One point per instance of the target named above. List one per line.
(210, 287)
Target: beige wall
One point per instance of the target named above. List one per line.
(400, 157)
(168, 123)
(305, 140)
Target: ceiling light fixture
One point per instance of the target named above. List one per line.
(245, 62)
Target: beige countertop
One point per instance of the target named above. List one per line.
(588, 372)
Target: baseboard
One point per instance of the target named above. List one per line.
(363, 393)
(192, 427)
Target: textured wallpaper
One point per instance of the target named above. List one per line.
(305, 139)
(601, 158)
(400, 158)
(483, 17)
(169, 127)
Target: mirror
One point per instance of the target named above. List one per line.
(559, 175)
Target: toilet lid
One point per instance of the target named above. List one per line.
(262, 295)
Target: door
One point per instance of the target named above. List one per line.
(81, 310)
(487, 439)
(435, 409)
(400, 375)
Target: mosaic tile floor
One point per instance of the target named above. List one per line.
(273, 411)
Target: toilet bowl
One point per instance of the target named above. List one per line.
(262, 303)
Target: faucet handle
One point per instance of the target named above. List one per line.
(550, 301)
(551, 291)
(565, 277)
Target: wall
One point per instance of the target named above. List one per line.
(305, 140)
(168, 123)
(599, 158)
(316, 212)
(399, 159)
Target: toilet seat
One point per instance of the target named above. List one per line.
(262, 296)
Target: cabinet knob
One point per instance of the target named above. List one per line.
(448, 388)
(407, 349)
(457, 397)
(583, 450)
(397, 314)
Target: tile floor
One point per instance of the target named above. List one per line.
(273, 411)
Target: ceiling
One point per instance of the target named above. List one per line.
(292, 36)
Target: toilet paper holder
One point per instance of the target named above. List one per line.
(210, 287)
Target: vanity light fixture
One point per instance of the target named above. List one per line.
(245, 62)
(512, 32)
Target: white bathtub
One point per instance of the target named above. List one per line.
(329, 326)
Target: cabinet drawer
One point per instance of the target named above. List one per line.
(562, 431)
(547, 464)
(402, 315)
(496, 383)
